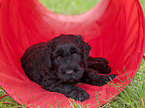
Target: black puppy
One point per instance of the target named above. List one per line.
(61, 63)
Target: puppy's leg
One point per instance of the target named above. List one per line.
(69, 90)
(94, 78)
(99, 64)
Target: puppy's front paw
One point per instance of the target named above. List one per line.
(79, 94)
(104, 79)
(100, 67)
(104, 69)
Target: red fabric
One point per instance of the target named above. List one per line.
(4, 96)
(113, 28)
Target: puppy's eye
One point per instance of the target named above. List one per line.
(60, 56)
(74, 54)
(59, 53)
(73, 51)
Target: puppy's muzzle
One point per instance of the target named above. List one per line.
(70, 69)
(69, 72)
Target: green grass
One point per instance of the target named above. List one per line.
(68, 7)
(134, 94)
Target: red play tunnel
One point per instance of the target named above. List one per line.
(113, 28)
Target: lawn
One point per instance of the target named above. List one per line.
(134, 94)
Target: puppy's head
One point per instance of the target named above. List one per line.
(69, 54)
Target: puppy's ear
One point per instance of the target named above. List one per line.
(49, 53)
(85, 48)
(37, 58)
(43, 55)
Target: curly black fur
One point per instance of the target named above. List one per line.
(61, 63)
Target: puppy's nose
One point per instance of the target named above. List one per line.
(69, 72)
